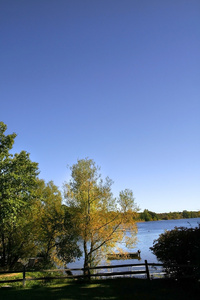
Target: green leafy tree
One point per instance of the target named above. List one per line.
(101, 220)
(147, 215)
(180, 246)
(186, 214)
(18, 175)
(33, 220)
(57, 235)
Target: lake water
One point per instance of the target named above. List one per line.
(147, 233)
(150, 231)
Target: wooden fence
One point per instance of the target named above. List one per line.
(67, 273)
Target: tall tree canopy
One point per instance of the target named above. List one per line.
(101, 220)
(17, 176)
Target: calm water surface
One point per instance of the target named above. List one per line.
(150, 231)
(147, 233)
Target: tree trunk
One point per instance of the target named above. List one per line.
(86, 261)
(3, 258)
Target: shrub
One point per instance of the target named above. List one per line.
(180, 246)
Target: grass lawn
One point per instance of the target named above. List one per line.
(124, 288)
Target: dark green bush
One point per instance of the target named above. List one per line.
(180, 246)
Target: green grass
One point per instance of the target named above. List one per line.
(124, 288)
(30, 283)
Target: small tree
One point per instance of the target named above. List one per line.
(180, 246)
(100, 219)
(57, 236)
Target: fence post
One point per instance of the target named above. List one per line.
(147, 269)
(24, 275)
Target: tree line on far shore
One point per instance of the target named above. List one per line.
(148, 215)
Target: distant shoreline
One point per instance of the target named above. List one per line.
(148, 215)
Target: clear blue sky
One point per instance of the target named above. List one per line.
(116, 81)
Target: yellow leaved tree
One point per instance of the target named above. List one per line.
(102, 220)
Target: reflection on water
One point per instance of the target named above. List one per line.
(147, 233)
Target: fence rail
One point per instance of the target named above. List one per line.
(145, 271)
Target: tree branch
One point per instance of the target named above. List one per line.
(107, 223)
(106, 240)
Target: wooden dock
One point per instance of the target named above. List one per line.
(124, 256)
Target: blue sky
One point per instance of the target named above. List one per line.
(116, 81)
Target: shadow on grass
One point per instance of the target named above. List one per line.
(125, 289)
